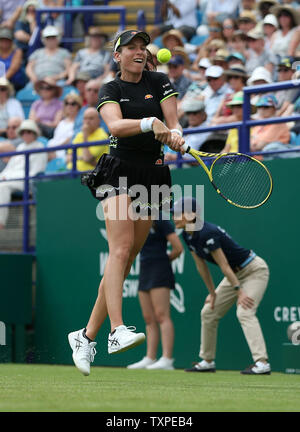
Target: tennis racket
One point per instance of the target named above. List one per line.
(240, 179)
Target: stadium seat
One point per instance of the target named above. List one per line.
(26, 96)
(55, 165)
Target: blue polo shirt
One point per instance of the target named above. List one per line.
(155, 246)
(212, 237)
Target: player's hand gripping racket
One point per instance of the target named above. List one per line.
(240, 179)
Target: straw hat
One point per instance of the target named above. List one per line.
(5, 83)
(175, 33)
(50, 82)
(276, 10)
(29, 125)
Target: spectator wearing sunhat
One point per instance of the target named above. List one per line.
(176, 67)
(246, 21)
(94, 59)
(216, 81)
(258, 55)
(286, 98)
(236, 77)
(262, 135)
(270, 26)
(50, 61)
(15, 168)
(48, 110)
(288, 19)
(220, 59)
(236, 58)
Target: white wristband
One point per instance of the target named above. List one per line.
(147, 123)
(178, 131)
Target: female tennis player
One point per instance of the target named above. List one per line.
(155, 284)
(139, 108)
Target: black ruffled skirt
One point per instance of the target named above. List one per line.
(148, 185)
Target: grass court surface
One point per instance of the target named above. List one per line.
(63, 388)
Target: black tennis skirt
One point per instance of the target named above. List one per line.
(148, 185)
(156, 274)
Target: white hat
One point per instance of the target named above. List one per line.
(260, 73)
(50, 30)
(29, 125)
(271, 19)
(214, 71)
(193, 105)
(204, 62)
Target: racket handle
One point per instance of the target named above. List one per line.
(186, 147)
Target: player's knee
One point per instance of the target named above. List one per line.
(161, 316)
(149, 319)
(122, 253)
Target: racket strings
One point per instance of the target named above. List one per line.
(241, 179)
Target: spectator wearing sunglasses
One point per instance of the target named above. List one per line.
(9, 106)
(216, 81)
(286, 98)
(64, 131)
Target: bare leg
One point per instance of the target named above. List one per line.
(152, 329)
(160, 298)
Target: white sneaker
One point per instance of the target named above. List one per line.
(203, 366)
(162, 363)
(146, 361)
(124, 338)
(83, 351)
(259, 368)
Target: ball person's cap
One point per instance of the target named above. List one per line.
(127, 37)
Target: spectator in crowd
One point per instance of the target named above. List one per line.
(172, 38)
(194, 109)
(270, 26)
(286, 98)
(12, 140)
(236, 105)
(258, 55)
(156, 281)
(266, 134)
(47, 112)
(56, 19)
(10, 12)
(87, 157)
(50, 61)
(25, 26)
(228, 28)
(239, 43)
(236, 77)
(64, 131)
(246, 21)
(94, 59)
(220, 59)
(176, 67)
(177, 14)
(264, 7)
(216, 81)
(259, 76)
(15, 168)
(288, 19)
(9, 106)
(219, 11)
(12, 58)
(91, 98)
(79, 83)
(211, 45)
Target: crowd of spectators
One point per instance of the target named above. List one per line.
(218, 48)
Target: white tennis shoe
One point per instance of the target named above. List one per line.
(83, 351)
(142, 364)
(163, 363)
(124, 338)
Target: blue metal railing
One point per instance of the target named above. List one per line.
(242, 126)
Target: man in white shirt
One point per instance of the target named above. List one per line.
(15, 168)
(180, 15)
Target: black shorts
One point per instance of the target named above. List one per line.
(156, 274)
(115, 176)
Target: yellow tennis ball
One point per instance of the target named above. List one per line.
(164, 55)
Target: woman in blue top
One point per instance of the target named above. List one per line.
(155, 283)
